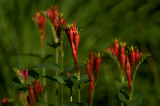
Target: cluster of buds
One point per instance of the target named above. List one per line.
(118, 50)
(73, 36)
(40, 20)
(53, 16)
(35, 90)
(22, 73)
(92, 67)
(135, 56)
(125, 59)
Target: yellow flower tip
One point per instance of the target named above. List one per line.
(123, 43)
(61, 15)
(132, 48)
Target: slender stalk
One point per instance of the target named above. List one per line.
(122, 82)
(62, 68)
(92, 95)
(79, 90)
(70, 94)
(56, 61)
(132, 86)
(44, 74)
(56, 98)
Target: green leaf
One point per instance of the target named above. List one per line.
(56, 78)
(73, 104)
(51, 66)
(136, 100)
(120, 85)
(53, 44)
(71, 68)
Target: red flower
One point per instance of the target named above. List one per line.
(26, 75)
(4, 101)
(31, 94)
(55, 18)
(88, 68)
(75, 55)
(128, 66)
(21, 73)
(112, 50)
(92, 60)
(116, 48)
(61, 20)
(77, 40)
(36, 89)
(74, 26)
(68, 74)
(97, 64)
(29, 101)
(40, 20)
(50, 14)
(122, 54)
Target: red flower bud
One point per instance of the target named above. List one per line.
(50, 14)
(29, 101)
(74, 26)
(4, 101)
(137, 55)
(116, 48)
(128, 66)
(88, 68)
(39, 88)
(71, 35)
(112, 51)
(123, 57)
(61, 20)
(68, 74)
(77, 41)
(36, 89)
(31, 94)
(75, 55)
(55, 18)
(64, 23)
(97, 63)
(26, 75)
(133, 57)
(92, 60)
(21, 73)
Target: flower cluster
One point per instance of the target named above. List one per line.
(92, 67)
(53, 16)
(135, 56)
(125, 59)
(73, 36)
(34, 90)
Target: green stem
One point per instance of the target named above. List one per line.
(79, 90)
(132, 86)
(62, 67)
(122, 82)
(44, 74)
(56, 98)
(56, 60)
(70, 94)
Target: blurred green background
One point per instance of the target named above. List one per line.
(135, 21)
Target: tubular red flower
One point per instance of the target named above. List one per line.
(75, 55)
(40, 20)
(133, 57)
(50, 14)
(36, 89)
(29, 101)
(71, 35)
(137, 55)
(97, 64)
(26, 75)
(31, 94)
(64, 23)
(112, 51)
(92, 60)
(61, 21)
(123, 57)
(21, 73)
(88, 68)
(74, 26)
(116, 48)
(128, 66)
(39, 88)
(55, 18)
(77, 41)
